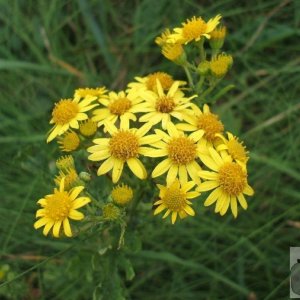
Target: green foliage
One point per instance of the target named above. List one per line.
(49, 48)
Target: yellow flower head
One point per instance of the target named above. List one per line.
(118, 106)
(193, 29)
(161, 106)
(67, 113)
(228, 180)
(122, 194)
(111, 212)
(149, 83)
(124, 146)
(90, 92)
(203, 121)
(174, 198)
(162, 39)
(58, 207)
(181, 151)
(218, 33)
(69, 141)
(71, 178)
(88, 128)
(173, 52)
(65, 162)
(220, 65)
(234, 147)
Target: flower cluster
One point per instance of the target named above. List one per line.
(156, 126)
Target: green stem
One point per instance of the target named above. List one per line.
(225, 90)
(201, 49)
(200, 84)
(189, 76)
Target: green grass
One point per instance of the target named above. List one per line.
(49, 48)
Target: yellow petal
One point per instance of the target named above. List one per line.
(172, 174)
(56, 228)
(189, 210)
(233, 206)
(48, 227)
(117, 170)
(242, 201)
(208, 175)
(183, 178)
(99, 155)
(215, 156)
(76, 191)
(159, 209)
(207, 185)
(155, 152)
(248, 190)
(225, 206)
(106, 166)
(136, 166)
(76, 215)
(214, 195)
(209, 162)
(67, 228)
(41, 222)
(174, 216)
(162, 168)
(79, 202)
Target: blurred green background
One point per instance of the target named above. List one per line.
(50, 48)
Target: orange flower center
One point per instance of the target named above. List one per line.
(211, 125)
(64, 111)
(237, 150)
(124, 145)
(182, 150)
(232, 178)
(193, 29)
(165, 104)
(174, 199)
(58, 206)
(120, 106)
(165, 80)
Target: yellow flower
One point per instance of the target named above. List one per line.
(181, 151)
(69, 141)
(88, 128)
(149, 82)
(122, 194)
(65, 162)
(234, 148)
(90, 93)
(58, 207)
(111, 212)
(71, 178)
(218, 33)
(174, 52)
(193, 29)
(162, 39)
(220, 65)
(67, 113)
(174, 198)
(118, 106)
(161, 106)
(229, 181)
(124, 146)
(203, 121)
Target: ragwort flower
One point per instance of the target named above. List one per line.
(181, 151)
(67, 113)
(193, 30)
(161, 106)
(228, 180)
(124, 146)
(58, 207)
(175, 199)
